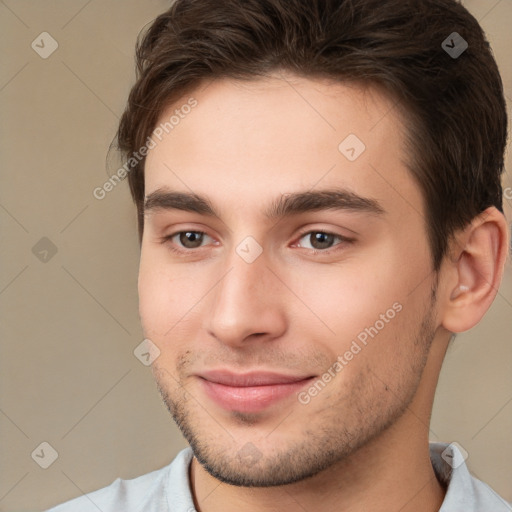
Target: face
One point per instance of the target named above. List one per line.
(285, 275)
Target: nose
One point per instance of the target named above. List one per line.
(247, 304)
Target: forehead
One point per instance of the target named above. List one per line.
(255, 139)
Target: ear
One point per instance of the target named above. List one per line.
(473, 270)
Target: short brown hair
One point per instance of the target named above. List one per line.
(456, 106)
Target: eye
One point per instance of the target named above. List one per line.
(187, 239)
(321, 240)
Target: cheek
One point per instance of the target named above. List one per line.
(159, 307)
(348, 297)
(171, 296)
(367, 305)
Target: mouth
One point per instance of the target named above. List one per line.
(250, 392)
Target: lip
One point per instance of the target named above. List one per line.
(249, 392)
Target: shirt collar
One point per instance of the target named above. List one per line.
(464, 492)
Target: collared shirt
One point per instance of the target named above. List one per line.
(168, 489)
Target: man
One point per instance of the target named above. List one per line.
(320, 211)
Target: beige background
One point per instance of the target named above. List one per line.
(70, 325)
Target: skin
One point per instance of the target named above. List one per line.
(362, 442)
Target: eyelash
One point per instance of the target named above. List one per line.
(184, 252)
(341, 239)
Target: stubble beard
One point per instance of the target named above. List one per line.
(325, 440)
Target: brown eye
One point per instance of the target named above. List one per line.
(190, 239)
(187, 243)
(320, 240)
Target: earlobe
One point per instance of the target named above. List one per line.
(476, 269)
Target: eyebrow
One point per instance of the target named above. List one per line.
(284, 206)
